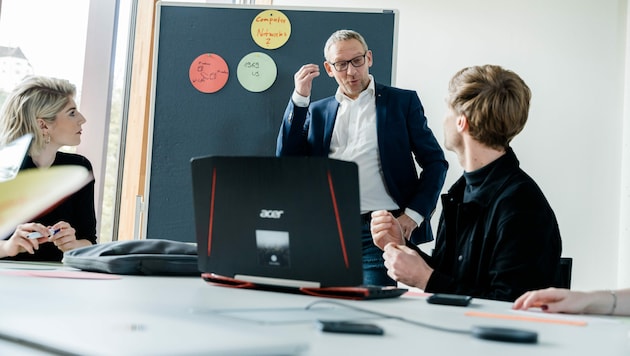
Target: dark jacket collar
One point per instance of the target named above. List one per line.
(498, 173)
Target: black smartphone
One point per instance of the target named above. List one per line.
(349, 327)
(449, 299)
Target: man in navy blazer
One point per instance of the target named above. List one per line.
(382, 129)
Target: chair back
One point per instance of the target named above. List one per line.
(566, 265)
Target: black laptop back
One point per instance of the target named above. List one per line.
(288, 221)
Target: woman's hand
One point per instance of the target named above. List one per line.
(19, 241)
(65, 239)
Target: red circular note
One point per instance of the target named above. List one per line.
(208, 73)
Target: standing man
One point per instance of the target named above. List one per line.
(498, 236)
(382, 129)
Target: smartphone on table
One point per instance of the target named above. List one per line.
(449, 299)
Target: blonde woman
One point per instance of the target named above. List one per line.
(45, 108)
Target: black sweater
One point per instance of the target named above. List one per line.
(77, 210)
(498, 237)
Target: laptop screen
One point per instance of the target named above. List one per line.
(12, 155)
(288, 221)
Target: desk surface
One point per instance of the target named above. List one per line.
(138, 314)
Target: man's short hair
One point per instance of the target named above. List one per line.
(494, 100)
(343, 35)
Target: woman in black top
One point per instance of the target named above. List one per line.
(45, 107)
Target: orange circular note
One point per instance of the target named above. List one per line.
(208, 73)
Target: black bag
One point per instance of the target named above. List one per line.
(137, 257)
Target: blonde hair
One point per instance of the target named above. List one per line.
(36, 97)
(494, 100)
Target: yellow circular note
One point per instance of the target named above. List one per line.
(256, 72)
(271, 29)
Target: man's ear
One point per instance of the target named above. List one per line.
(368, 58)
(462, 123)
(329, 69)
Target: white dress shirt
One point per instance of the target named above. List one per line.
(354, 139)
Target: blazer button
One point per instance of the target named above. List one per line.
(460, 258)
(290, 119)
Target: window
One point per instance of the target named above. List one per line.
(69, 39)
(56, 44)
(43, 49)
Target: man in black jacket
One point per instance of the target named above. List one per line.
(497, 237)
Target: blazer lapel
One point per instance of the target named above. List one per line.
(331, 115)
(381, 106)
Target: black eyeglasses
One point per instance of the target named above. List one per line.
(356, 62)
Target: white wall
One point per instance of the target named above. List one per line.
(624, 227)
(572, 55)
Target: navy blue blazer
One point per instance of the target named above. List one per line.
(403, 139)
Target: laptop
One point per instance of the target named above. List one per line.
(12, 155)
(287, 224)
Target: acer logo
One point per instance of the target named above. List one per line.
(271, 214)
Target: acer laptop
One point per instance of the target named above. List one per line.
(281, 223)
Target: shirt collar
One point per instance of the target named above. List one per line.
(368, 92)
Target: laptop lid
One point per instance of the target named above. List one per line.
(12, 155)
(286, 221)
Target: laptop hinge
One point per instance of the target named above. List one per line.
(277, 281)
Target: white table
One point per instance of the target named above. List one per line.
(179, 315)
